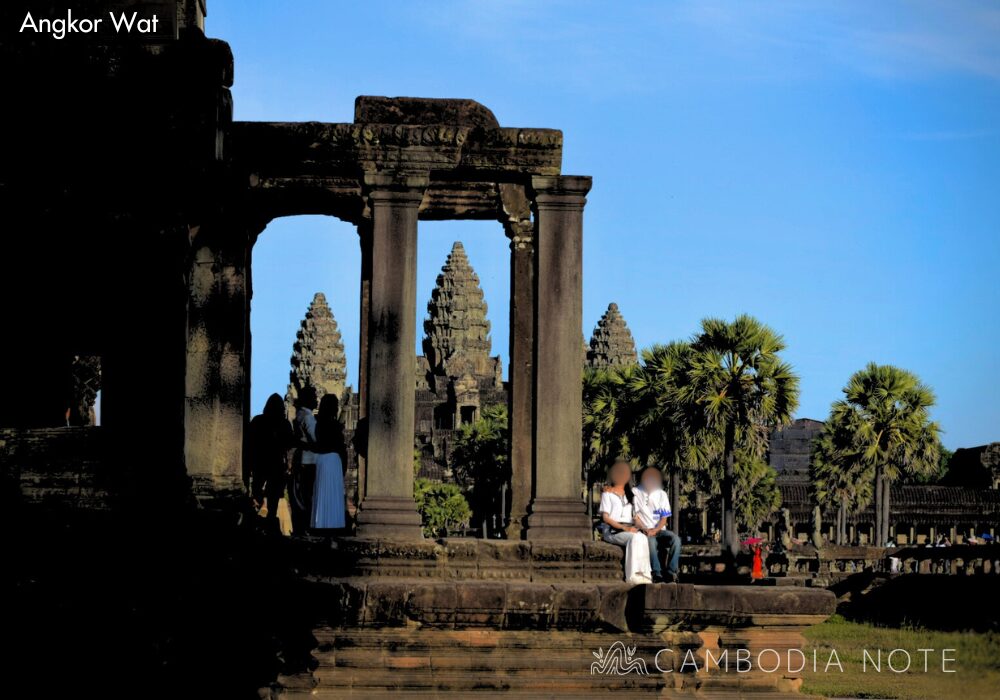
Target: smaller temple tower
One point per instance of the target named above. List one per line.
(318, 357)
(457, 339)
(612, 344)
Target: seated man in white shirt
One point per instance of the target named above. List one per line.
(652, 508)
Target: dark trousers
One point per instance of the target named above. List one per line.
(274, 490)
(301, 493)
(673, 544)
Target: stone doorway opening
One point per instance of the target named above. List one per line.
(304, 319)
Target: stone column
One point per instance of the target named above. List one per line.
(216, 361)
(521, 372)
(557, 508)
(520, 229)
(388, 508)
(365, 238)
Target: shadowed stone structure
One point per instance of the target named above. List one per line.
(966, 501)
(436, 159)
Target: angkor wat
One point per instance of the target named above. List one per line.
(133, 201)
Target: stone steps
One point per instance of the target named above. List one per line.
(370, 661)
(374, 662)
(435, 637)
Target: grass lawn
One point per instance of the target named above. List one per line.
(976, 663)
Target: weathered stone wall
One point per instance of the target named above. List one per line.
(790, 449)
(62, 468)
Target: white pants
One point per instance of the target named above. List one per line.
(636, 546)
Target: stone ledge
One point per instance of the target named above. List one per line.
(510, 605)
(372, 662)
(461, 559)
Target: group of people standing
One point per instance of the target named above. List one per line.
(305, 458)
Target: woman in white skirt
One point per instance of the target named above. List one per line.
(618, 523)
(328, 507)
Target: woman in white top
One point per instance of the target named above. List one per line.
(304, 461)
(618, 523)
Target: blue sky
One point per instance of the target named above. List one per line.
(831, 168)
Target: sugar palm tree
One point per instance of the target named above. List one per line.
(660, 426)
(606, 403)
(756, 494)
(888, 411)
(739, 388)
(839, 477)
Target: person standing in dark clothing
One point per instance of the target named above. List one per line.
(268, 448)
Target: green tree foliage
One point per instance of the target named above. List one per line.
(936, 475)
(737, 389)
(607, 403)
(442, 507)
(661, 426)
(881, 431)
(839, 476)
(757, 495)
(703, 411)
(479, 461)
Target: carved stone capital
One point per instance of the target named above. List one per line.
(560, 191)
(521, 234)
(400, 189)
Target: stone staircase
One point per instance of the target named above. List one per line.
(464, 618)
(367, 663)
(390, 662)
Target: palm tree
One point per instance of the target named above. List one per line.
(661, 431)
(606, 399)
(839, 477)
(756, 494)
(740, 389)
(888, 411)
(481, 467)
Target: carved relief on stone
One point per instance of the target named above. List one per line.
(318, 357)
(612, 344)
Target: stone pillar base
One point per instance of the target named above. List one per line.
(389, 516)
(558, 519)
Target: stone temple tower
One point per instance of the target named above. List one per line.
(318, 354)
(612, 344)
(457, 332)
(456, 377)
